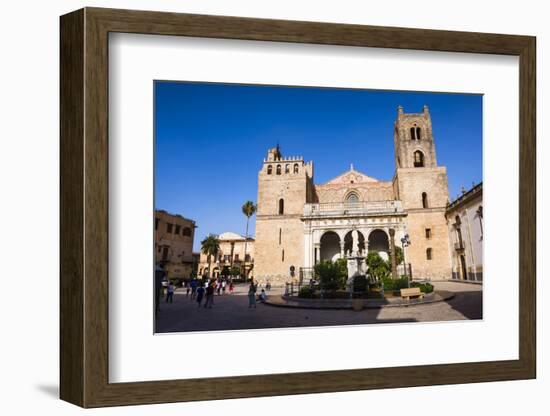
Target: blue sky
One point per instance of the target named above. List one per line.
(210, 140)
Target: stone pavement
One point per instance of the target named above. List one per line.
(231, 312)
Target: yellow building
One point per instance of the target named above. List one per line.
(231, 254)
(174, 236)
(299, 223)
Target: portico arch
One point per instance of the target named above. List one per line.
(379, 242)
(330, 246)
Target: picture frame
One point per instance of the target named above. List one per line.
(84, 217)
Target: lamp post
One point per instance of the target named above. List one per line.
(405, 242)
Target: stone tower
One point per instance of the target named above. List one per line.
(285, 184)
(422, 187)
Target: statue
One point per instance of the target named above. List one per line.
(354, 243)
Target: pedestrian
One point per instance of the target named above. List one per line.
(200, 294)
(231, 287)
(187, 288)
(223, 286)
(219, 286)
(263, 296)
(252, 295)
(209, 296)
(268, 285)
(170, 292)
(194, 284)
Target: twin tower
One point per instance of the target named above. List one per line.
(285, 236)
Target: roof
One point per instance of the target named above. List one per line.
(232, 236)
(350, 176)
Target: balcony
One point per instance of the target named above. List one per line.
(353, 209)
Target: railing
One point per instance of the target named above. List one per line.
(352, 208)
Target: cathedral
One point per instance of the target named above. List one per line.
(299, 223)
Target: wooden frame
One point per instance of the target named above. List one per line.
(84, 207)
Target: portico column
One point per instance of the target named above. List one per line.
(393, 256)
(342, 244)
(317, 253)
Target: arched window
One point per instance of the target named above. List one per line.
(287, 168)
(412, 134)
(352, 198)
(295, 168)
(418, 159)
(429, 253)
(418, 133)
(278, 169)
(186, 231)
(281, 206)
(269, 169)
(424, 200)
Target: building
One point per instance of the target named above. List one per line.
(174, 236)
(465, 222)
(299, 223)
(231, 254)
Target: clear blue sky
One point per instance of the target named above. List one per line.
(211, 140)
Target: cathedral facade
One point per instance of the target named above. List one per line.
(299, 223)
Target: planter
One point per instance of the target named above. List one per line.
(357, 304)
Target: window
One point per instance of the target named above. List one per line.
(280, 235)
(287, 168)
(186, 231)
(283, 255)
(418, 159)
(424, 200)
(157, 224)
(278, 169)
(269, 169)
(429, 254)
(352, 198)
(281, 206)
(247, 258)
(226, 257)
(295, 168)
(479, 213)
(428, 233)
(169, 228)
(178, 229)
(418, 133)
(412, 133)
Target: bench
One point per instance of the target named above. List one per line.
(411, 292)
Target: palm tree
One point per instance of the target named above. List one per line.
(249, 209)
(210, 246)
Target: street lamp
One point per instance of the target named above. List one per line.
(405, 242)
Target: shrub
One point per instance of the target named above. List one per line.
(331, 275)
(306, 292)
(394, 284)
(424, 287)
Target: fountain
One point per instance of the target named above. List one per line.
(356, 261)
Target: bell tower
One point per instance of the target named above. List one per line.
(422, 187)
(413, 140)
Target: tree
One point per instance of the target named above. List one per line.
(398, 256)
(332, 275)
(378, 268)
(210, 246)
(248, 209)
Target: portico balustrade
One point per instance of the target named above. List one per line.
(343, 209)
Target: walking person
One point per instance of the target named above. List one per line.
(252, 294)
(224, 283)
(194, 284)
(209, 296)
(231, 287)
(268, 285)
(200, 294)
(187, 288)
(170, 292)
